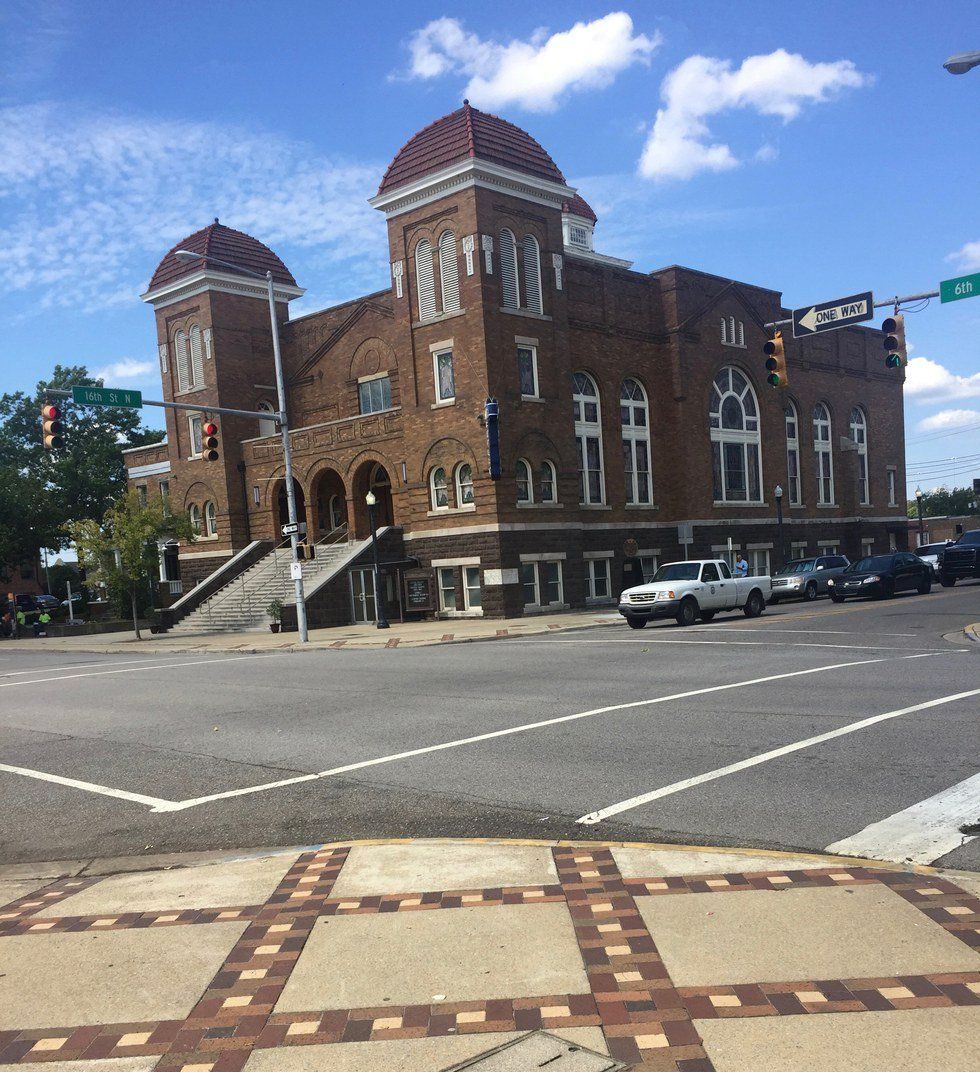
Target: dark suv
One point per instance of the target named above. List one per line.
(960, 559)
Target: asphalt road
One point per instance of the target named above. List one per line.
(160, 745)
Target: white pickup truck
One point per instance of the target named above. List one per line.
(691, 590)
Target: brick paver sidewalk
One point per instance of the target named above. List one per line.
(413, 956)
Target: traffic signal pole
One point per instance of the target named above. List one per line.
(894, 302)
(260, 415)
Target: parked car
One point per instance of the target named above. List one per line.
(806, 578)
(46, 602)
(76, 597)
(882, 576)
(961, 559)
(691, 590)
(931, 553)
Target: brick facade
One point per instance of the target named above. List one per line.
(597, 316)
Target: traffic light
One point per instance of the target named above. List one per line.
(775, 353)
(53, 427)
(210, 444)
(896, 353)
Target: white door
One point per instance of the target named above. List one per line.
(362, 595)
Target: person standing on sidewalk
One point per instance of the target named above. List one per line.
(20, 621)
(741, 566)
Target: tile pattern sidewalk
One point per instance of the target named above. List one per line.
(646, 1019)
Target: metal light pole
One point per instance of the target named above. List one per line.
(778, 492)
(918, 505)
(287, 455)
(379, 602)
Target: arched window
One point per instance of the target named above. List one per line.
(588, 439)
(825, 459)
(183, 360)
(195, 513)
(792, 454)
(336, 511)
(425, 280)
(508, 270)
(547, 483)
(210, 519)
(197, 357)
(449, 272)
(525, 489)
(266, 427)
(733, 422)
(532, 274)
(859, 433)
(464, 484)
(634, 417)
(439, 489)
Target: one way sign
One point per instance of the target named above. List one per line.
(828, 316)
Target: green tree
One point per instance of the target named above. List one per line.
(122, 548)
(77, 483)
(945, 502)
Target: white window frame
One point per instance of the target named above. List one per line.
(747, 438)
(533, 296)
(733, 332)
(448, 272)
(210, 519)
(790, 413)
(468, 604)
(195, 429)
(823, 449)
(425, 279)
(633, 434)
(585, 431)
(798, 549)
(195, 515)
(182, 361)
(553, 474)
(892, 487)
(533, 351)
(461, 485)
(593, 568)
(266, 428)
(859, 435)
(434, 487)
(441, 400)
(649, 564)
(443, 588)
(528, 481)
(510, 280)
(867, 548)
(758, 560)
(538, 586)
(369, 382)
(196, 357)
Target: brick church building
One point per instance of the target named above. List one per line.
(633, 409)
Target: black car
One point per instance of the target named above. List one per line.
(960, 559)
(882, 576)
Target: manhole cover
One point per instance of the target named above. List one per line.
(539, 1050)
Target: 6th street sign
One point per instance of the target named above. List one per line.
(107, 396)
(966, 286)
(828, 316)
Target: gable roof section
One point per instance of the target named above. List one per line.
(360, 310)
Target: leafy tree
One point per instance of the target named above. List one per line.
(945, 502)
(42, 490)
(121, 549)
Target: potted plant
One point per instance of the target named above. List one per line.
(274, 610)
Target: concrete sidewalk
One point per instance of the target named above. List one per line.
(415, 956)
(406, 635)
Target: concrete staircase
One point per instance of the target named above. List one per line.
(241, 604)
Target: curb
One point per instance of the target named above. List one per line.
(972, 633)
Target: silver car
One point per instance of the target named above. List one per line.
(806, 578)
(931, 553)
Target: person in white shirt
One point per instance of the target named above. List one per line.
(741, 566)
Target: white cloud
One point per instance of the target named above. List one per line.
(90, 202)
(778, 84)
(967, 259)
(949, 418)
(127, 370)
(928, 381)
(532, 74)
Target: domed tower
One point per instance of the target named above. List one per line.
(215, 349)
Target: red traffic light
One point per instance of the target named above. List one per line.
(50, 412)
(52, 427)
(210, 429)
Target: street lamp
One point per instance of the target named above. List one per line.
(778, 492)
(379, 603)
(962, 62)
(188, 256)
(918, 505)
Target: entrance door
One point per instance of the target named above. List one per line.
(362, 595)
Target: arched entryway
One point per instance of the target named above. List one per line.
(329, 502)
(372, 476)
(282, 506)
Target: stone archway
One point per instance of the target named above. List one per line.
(329, 501)
(372, 476)
(281, 508)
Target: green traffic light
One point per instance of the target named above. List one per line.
(893, 360)
(773, 380)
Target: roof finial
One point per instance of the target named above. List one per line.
(466, 103)
(215, 219)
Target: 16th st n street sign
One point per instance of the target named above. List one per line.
(107, 396)
(830, 315)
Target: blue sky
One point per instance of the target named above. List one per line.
(817, 148)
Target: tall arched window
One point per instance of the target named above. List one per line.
(183, 360)
(547, 483)
(425, 280)
(634, 418)
(825, 459)
(792, 454)
(210, 519)
(197, 357)
(337, 511)
(532, 274)
(266, 427)
(859, 433)
(588, 439)
(464, 484)
(449, 272)
(195, 514)
(439, 489)
(525, 489)
(508, 270)
(733, 421)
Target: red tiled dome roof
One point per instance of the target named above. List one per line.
(217, 240)
(578, 206)
(469, 133)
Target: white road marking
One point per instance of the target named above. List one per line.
(76, 666)
(921, 833)
(742, 644)
(762, 629)
(135, 669)
(90, 787)
(687, 783)
(348, 768)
